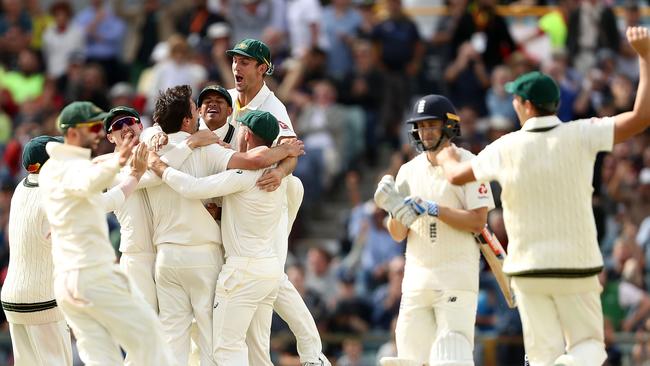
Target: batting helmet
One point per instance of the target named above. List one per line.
(434, 107)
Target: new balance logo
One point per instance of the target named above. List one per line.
(215, 305)
(452, 299)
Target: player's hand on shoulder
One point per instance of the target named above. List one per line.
(295, 147)
(202, 138)
(158, 141)
(155, 164)
(639, 39)
(270, 180)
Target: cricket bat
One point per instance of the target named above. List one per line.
(495, 255)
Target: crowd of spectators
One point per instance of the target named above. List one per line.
(347, 70)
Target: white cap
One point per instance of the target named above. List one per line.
(218, 30)
(160, 52)
(500, 123)
(121, 89)
(644, 176)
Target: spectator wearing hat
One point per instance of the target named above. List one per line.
(93, 295)
(105, 33)
(39, 333)
(548, 186)
(217, 60)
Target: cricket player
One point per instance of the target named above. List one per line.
(94, 296)
(39, 334)
(435, 325)
(546, 170)
(188, 259)
(251, 62)
(249, 280)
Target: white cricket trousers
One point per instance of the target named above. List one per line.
(247, 288)
(140, 268)
(186, 276)
(45, 344)
(426, 315)
(292, 309)
(104, 314)
(561, 315)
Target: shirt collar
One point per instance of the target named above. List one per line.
(540, 122)
(66, 151)
(258, 100)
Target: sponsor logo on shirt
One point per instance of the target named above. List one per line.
(239, 172)
(283, 125)
(482, 191)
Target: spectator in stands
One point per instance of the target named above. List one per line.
(258, 19)
(179, 69)
(15, 30)
(218, 63)
(40, 19)
(379, 249)
(313, 299)
(104, 35)
(148, 23)
(398, 40)
(339, 29)
(27, 82)
(498, 101)
(568, 80)
(350, 312)
(386, 298)
(303, 25)
(61, 40)
(352, 353)
(320, 273)
(488, 30)
(468, 79)
(592, 26)
(363, 86)
(194, 23)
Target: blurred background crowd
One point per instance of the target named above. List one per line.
(348, 70)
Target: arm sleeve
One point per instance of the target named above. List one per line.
(216, 157)
(113, 199)
(487, 164)
(90, 178)
(216, 185)
(476, 194)
(598, 134)
(175, 156)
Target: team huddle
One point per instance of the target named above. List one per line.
(195, 285)
(206, 201)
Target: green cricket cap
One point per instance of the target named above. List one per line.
(255, 49)
(34, 153)
(119, 111)
(79, 112)
(263, 124)
(539, 88)
(214, 89)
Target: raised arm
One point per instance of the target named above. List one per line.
(263, 157)
(631, 123)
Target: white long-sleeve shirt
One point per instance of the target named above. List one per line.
(183, 221)
(546, 180)
(27, 292)
(72, 198)
(250, 217)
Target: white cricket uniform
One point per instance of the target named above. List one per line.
(440, 286)
(289, 304)
(39, 334)
(134, 215)
(545, 171)
(189, 255)
(93, 294)
(248, 282)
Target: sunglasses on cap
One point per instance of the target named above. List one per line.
(121, 122)
(94, 126)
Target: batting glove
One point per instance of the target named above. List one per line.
(386, 195)
(388, 199)
(421, 206)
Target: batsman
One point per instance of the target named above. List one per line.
(435, 325)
